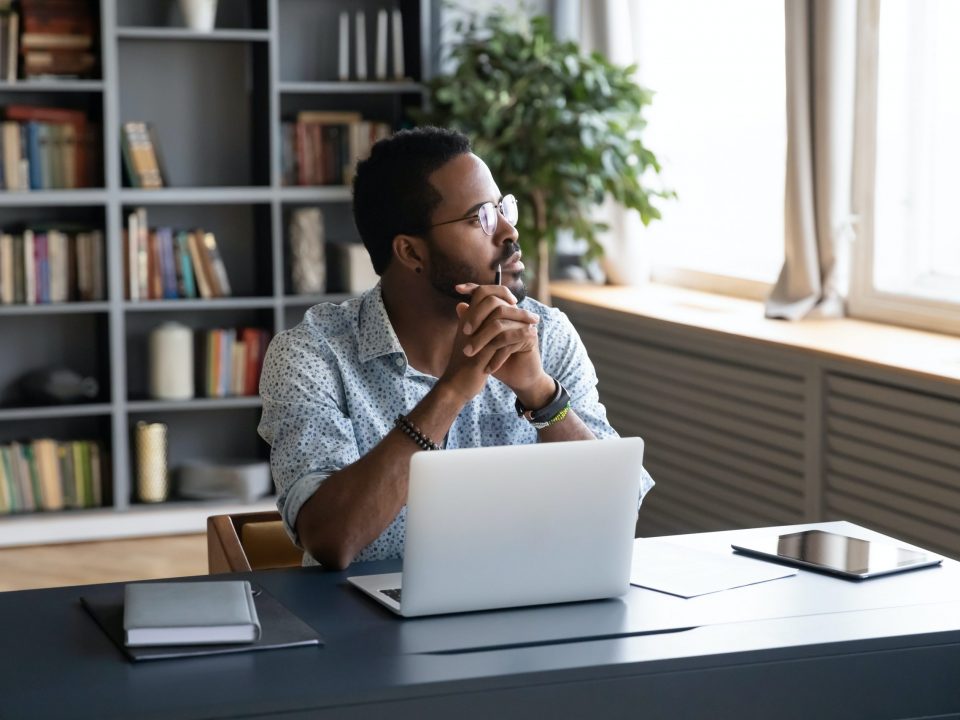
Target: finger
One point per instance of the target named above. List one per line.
(499, 334)
(476, 291)
(461, 309)
(499, 358)
(481, 307)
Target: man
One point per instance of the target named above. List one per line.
(437, 354)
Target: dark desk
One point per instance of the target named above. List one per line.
(803, 647)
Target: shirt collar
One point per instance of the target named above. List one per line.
(376, 334)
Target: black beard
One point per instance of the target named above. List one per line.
(446, 274)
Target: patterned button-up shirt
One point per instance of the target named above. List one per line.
(333, 386)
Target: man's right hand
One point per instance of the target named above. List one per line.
(494, 316)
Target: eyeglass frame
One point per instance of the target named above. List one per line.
(499, 207)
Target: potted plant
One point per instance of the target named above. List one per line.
(559, 129)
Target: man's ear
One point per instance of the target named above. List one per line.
(410, 251)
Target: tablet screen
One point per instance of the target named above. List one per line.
(839, 553)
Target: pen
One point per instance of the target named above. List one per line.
(496, 278)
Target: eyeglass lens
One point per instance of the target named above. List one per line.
(488, 213)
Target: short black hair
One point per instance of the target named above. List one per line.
(392, 193)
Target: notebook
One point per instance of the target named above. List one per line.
(189, 613)
(515, 525)
(280, 628)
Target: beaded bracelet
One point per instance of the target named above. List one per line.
(414, 433)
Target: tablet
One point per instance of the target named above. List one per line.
(841, 555)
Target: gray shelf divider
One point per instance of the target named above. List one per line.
(124, 318)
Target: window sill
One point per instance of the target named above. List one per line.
(913, 352)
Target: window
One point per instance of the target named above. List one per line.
(718, 126)
(908, 268)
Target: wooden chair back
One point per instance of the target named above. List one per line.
(249, 541)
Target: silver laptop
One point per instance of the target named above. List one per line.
(515, 525)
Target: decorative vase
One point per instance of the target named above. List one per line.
(171, 362)
(200, 15)
(57, 385)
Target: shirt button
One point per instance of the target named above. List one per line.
(399, 362)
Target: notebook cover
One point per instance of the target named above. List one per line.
(280, 628)
(211, 603)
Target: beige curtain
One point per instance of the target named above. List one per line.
(820, 61)
(607, 26)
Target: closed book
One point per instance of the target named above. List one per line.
(189, 613)
(280, 628)
(218, 271)
(201, 268)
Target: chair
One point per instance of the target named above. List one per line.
(249, 541)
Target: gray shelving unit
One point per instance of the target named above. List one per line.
(216, 101)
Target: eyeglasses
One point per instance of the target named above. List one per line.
(488, 216)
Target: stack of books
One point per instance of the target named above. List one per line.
(233, 360)
(167, 264)
(45, 474)
(47, 148)
(323, 148)
(58, 38)
(51, 265)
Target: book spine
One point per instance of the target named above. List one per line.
(196, 256)
(133, 255)
(29, 269)
(186, 265)
(11, 467)
(143, 253)
(217, 267)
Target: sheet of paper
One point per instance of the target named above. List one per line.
(682, 571)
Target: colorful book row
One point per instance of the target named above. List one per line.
(323, 148)
(46, 148)
(47, 474)
(233, 360)
(167, 264)
(48, 265)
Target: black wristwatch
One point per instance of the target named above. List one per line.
(551, 413)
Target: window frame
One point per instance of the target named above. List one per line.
(865, 300)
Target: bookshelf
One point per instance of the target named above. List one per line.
(216, 101)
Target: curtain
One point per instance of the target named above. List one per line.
(607, 26)
(820, 61)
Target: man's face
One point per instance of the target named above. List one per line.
(461, 251)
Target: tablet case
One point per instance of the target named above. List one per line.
(280, 628)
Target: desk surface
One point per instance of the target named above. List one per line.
(786, 648)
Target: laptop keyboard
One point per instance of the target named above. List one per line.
(393, 594)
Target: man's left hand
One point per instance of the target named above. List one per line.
(516, 364)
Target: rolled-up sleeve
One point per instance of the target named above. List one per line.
(303, 421)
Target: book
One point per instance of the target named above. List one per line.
(52, 119)
(200, 270)
(189, 613)
(132, 245)
(279, 628)
(218, 271)
(13, 42)
(139, 148)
